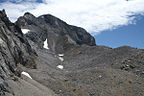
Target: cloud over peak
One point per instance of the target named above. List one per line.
(93, 15)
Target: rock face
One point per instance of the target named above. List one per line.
(14, 50)
(14, 47)
(63, 60)
(59, 34)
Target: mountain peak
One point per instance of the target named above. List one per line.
(3, 13)
(59, 34)
(4, 18)
(28, 15)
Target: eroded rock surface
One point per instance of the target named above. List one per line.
(14, 50)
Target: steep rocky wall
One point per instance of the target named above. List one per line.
(14, 49)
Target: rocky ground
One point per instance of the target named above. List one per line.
(70, 64)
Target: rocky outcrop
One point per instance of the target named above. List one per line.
(60, 36)
(14, 50)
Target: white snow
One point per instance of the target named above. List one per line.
(61, 55)
(24, 31)
(26, 74)
(60, 66)
(100, 76)
(46, 44)
(127, 65)
(62, 59)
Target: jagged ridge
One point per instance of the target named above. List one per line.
(60, 35)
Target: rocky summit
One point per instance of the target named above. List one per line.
(45, 56)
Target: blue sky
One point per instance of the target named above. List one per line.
(101, 18)
(130, 35)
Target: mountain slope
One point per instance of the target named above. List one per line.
(15, 51)
(63, 60)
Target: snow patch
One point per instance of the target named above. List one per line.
(127, 65)
(26, 74)
(46, 44)
(62, 59)
(60, 66)
(100, 76)
(24, 31)
(60, 55)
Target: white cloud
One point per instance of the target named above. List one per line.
(93, 15)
